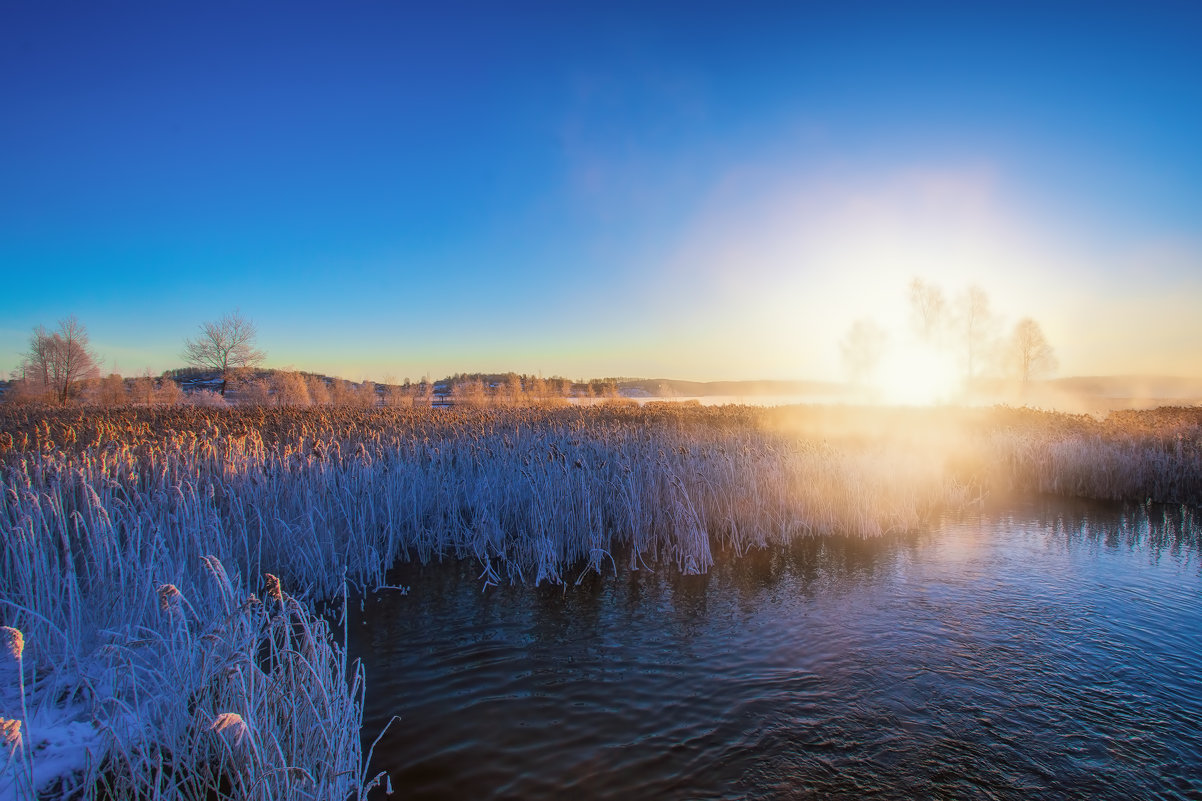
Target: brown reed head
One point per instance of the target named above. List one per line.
(273, 587)
(169, 595)
(233, 723)
(12, 642)
(10, 733)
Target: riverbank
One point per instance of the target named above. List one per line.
(164, 565)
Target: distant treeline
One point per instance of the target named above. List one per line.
(265, 387)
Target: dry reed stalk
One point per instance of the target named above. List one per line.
(12, 643)
(11, 740)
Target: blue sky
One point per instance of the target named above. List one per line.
(694, 190)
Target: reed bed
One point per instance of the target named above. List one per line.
(164, 564)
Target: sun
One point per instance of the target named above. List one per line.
(912, 374)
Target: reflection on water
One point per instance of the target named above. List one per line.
(1047, 651)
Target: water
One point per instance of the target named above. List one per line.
(1051, 651)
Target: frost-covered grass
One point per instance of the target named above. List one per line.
(134, 540)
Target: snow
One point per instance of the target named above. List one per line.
(63, 742)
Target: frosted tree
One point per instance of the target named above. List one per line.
(227, 346)
(366, 395)
(1028, 353)
(141, 390)
(111, 391)
(342, 392)
(168, 392)
(57, 361)
(928, 311)
(974, 326)
(290, 389)
(319, 390)
(39, 360)
(255, 392)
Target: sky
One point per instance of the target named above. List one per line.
(687, 190)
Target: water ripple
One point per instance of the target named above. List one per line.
(1048, 652)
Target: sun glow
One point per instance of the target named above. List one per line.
(915, 375)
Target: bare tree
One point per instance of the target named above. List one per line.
(974, 326)
(861, 349)
(1028, 352)
(56, 361)
(928, 310)
(76, 359)
(226, 346)
(40, 358)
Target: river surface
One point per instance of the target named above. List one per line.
(1051, 650)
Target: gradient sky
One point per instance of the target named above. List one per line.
(693, 190)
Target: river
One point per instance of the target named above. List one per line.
(1050, 649)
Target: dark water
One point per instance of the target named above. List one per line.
(1051, 651)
